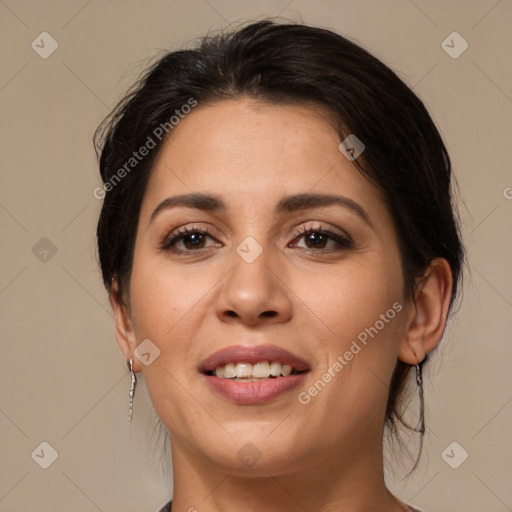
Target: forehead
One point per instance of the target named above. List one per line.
(248, 150)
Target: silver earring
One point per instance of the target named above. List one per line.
(419, 382)
(132, 387)
(418, 375)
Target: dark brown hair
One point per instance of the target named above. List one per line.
(404, 156)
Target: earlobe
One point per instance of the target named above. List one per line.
(125, 334)
(427, 319)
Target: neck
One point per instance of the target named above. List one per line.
(349, 480)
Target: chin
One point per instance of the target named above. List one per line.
(252, 452)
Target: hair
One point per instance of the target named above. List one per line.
(292, 63)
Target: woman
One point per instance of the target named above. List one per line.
(280, 249)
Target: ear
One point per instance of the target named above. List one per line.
(427, 316)
(124, 327)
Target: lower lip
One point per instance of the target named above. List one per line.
(254, 392)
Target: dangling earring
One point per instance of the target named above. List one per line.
(132, 387)
(419, 382)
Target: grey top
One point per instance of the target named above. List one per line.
(168, 508)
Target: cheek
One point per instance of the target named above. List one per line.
(166, 299)
(352, 298)
(363, 309)
(159, 311)
(168, 308)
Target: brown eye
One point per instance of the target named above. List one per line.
(192, 239)
(318, 238)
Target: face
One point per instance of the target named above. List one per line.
(256, 277)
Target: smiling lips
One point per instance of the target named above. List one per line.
(250, 375)
(258, 371)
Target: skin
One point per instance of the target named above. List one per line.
(325, 455)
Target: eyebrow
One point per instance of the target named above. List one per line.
(287, 204)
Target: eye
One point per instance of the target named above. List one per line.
(316, 239)
(192, 239)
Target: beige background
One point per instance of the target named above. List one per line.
(63, 378)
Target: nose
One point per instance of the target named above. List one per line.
(255, 292)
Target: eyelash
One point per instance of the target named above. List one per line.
(344, 242)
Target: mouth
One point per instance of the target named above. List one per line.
(253, 374)
(247, 372)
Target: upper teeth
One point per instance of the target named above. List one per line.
(261, 370)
